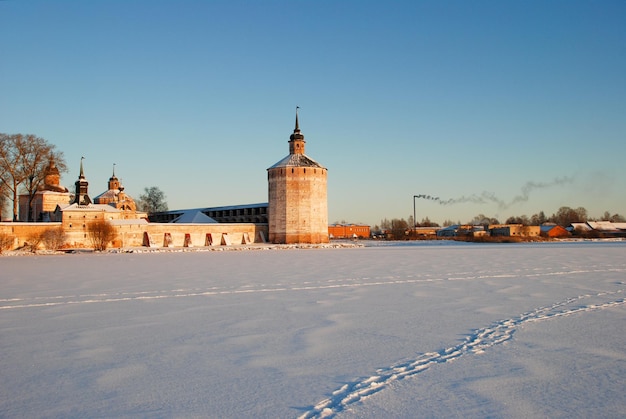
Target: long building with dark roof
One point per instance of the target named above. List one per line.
(250, 213)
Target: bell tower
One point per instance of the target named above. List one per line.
(81, 196)
(114, 182)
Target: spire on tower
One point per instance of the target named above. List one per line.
(297, 135)
(297, 125)
(82, 173)
(81, 195)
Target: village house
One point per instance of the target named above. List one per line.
(554, 231)
(514, 230)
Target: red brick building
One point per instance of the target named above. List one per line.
(349, 231)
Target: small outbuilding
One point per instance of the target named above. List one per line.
(554, 231)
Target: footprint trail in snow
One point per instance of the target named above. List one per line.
(475, 343)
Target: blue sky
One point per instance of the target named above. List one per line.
(524, 102)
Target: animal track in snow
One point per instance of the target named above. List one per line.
(475, 343)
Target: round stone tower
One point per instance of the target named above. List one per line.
(298, 201)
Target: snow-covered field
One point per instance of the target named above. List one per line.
(427, 330)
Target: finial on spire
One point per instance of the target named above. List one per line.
(113, 169)
(82, 173)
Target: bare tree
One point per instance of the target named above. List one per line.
(520, 219)
(53, 238)
(399, 229)
(152, 200)
(581, 212)
(538, 219)
(3, 201)
(6, 241)
(482, 219)
(23, 160)
(615, 218)
(101, 233)
(427, 223)
(566, 216)
(33, 241)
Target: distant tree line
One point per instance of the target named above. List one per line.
(564, 217)
(398, 228)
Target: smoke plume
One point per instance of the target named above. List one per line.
(489, 197)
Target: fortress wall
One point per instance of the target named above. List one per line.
(195, 235)
(23, 233)
(133, 235)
